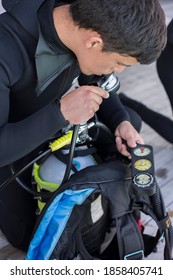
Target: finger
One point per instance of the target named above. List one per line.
(103, 93)
(132, 141)
(124, 151)
(99, 91)
(97, 99)
(122, 148)
(95, 107)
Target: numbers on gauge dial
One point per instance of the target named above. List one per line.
(142, 164)
(142, 151)
(143, 179)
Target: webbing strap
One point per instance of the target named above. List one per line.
(129, 238)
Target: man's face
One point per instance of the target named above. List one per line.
(98, 62)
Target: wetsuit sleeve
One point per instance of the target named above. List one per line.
(112, 112)
(20, 138)
(170, 32)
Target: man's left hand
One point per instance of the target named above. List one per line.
(126, 133)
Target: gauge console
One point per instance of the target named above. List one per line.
(142, 167)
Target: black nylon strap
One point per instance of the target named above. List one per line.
(130, 240)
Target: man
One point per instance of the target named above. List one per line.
(45, 45)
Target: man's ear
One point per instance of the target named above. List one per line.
(94, 42)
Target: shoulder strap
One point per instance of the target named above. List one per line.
(130, 241)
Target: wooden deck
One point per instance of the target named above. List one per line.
(141, 83)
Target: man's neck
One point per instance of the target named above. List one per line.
(63, 24)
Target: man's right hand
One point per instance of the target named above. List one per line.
(81, 104)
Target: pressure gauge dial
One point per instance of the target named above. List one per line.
(142, 164)
(143, 179)
(142, 151)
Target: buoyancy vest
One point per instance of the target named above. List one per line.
(58, 233)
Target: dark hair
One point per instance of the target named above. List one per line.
(131, 27)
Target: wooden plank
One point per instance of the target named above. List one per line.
(10, 253)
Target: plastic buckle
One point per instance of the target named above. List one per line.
(138, 255)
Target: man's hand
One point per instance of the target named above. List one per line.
(80, 104)
(125, 131)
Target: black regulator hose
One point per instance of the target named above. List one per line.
(71, 154)
(105, 128)
(15, 174)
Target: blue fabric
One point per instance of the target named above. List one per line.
(54, 222)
